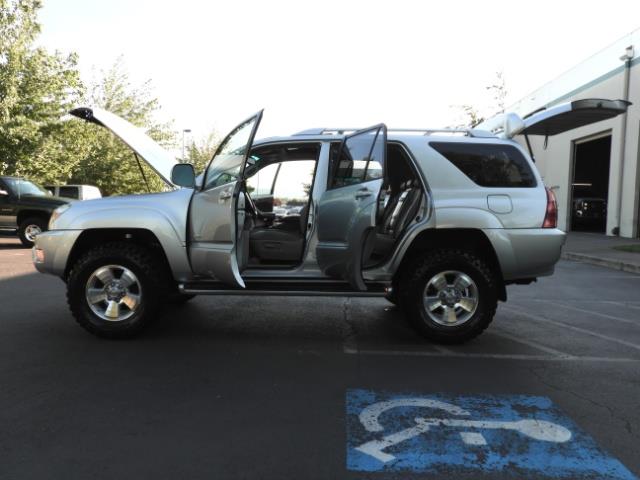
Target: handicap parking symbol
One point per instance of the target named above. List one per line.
(518, 435)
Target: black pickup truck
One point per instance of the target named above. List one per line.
(26, 207)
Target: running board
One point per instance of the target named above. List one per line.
(297, 288)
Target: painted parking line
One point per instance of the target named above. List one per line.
(539, 318)
(484, 435)
(594, 313)
(350, 350)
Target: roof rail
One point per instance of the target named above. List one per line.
(470, 132)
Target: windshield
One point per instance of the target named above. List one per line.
(227, 163)
(25, 187)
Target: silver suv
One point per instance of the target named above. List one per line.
(438, 221)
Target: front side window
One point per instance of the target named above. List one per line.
(228, 161)
(489, 165)
(293, 185)
(24, 187)
(261, 184)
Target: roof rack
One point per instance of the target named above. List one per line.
(469, 132)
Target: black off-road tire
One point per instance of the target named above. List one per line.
(414, 281)
(149, 272)
(40, 222)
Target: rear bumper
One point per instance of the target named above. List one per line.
(527, 252)
(51, 250)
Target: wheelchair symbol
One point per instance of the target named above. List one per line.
(540, 430)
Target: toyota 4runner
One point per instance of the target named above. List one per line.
(438, 221)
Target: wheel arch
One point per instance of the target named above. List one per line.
(469, 239)
(28, 213)
(96, 236)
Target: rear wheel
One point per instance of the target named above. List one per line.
(449, 296)
(30, 228)
(114, 290)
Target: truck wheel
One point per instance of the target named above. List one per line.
(114, 290)
(29, 228)
(449, 295)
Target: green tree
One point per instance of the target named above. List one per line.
(200, 153)
(104, 160)
(36, 89)
(472, 116)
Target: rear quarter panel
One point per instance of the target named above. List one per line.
(523, 248)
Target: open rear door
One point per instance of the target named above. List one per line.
(216, 215)
(567, 116)
(347, 210)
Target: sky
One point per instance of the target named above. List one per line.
(331, 63)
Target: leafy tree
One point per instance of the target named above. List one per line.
(200, 153)
(499, 92)
(104, 160)
(36, 89)
(472, 116)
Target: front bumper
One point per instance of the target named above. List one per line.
(51, 250)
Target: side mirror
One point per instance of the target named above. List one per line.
(183, 175)
(4, 193)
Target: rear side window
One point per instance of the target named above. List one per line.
(69, 192)
(488, 165)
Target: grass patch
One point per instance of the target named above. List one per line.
(628, 248)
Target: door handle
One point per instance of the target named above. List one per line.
(225, 195)
(363, 193)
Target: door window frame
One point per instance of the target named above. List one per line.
(258, 118)
(334, 168)
(317, 143)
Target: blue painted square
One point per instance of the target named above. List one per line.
(447, 434)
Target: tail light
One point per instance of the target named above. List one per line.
(551, 215)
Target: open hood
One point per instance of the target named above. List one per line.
(156, 157)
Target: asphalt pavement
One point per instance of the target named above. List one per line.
(259, 387)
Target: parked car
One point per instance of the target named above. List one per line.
(589, 212)
(439, 224)
(26, 207)
(75, 192)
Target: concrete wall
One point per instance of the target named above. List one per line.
(556, 161)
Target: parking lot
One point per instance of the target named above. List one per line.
(262, 387)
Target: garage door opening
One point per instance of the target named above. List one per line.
(590, 186)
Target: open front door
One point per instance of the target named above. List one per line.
(216, 215)
(347, 210)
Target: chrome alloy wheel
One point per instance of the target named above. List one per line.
(450, 298)
(113, 293)
(31, 231)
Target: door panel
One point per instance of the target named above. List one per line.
(8, 209)
(347, 211)
(215, 226)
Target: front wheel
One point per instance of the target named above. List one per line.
(449, 295)
(29, 229)
(114, 290)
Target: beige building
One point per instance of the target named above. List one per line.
(594, 170)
